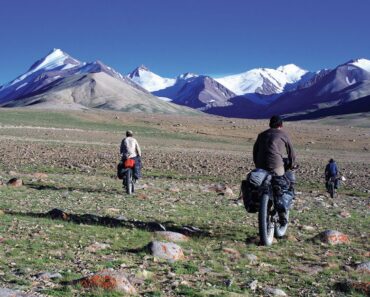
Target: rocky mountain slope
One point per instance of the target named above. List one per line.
(60, 81)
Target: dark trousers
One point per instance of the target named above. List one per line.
(137, 168)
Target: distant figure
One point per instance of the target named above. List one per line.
(331, 171)
(268, 153)
(271, 146)
(130, 149)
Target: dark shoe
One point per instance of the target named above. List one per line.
(283, 220)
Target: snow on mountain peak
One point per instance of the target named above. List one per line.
(187, 75)
(361, 63)
(149, 80)
(54, 59)
(264, 81)
(292, 72)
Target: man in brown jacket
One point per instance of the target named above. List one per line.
(271, 146)
(268, 153)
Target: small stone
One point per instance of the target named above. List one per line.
(253, 285)
(231, 252)
(363, 267)
(174, 189)
(40, 176)
(228, 192)
(310, 270)
(96, 246)
(308, 228)
(15, 182)
(333, 237)
(48, 275)
(112, 211)
(274, 292)
(252, 258)
(345, 214)
(144, 274)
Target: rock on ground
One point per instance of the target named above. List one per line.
(15, 182)
(97, 246)
(109, 280)
(40, 176)
(333, 237)
(48, 275)
(11, 293)
(231, 252)
(172, 236)
(363, 267)
(274, 292)
(166, 250)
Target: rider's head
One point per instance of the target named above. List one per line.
(276, 121)
(129, 133)
(331, 160)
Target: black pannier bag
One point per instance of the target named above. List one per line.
(249, 189)
(283, 191)
(120, 170)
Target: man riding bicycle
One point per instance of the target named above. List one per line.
(331, 172)
(130, 149)
(268, 154)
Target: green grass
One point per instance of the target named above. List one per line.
(32, 244)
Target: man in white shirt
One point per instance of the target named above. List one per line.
(130, 149)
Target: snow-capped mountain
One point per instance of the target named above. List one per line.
(60, 81)
(197, 91)
(54, 66)
(337, 89)
(264, 81)
(149, 80)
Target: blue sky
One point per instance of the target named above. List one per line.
(171, 36)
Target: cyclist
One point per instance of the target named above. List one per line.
(130, 149)
(268, 154)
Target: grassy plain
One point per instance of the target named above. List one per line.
(183, 157)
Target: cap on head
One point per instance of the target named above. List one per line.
(276, 121)
(331, 160)
(129, 133)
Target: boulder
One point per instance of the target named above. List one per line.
(171, 236)
(108, 280)
(333, 237)
(15, 182)
(166, 250)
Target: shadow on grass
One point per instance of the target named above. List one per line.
(71, 189)
(91, 219)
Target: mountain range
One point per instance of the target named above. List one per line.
(60, 81)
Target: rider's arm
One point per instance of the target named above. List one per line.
(123, 149)
(290, 152)
(255, 151)
(138, 150)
